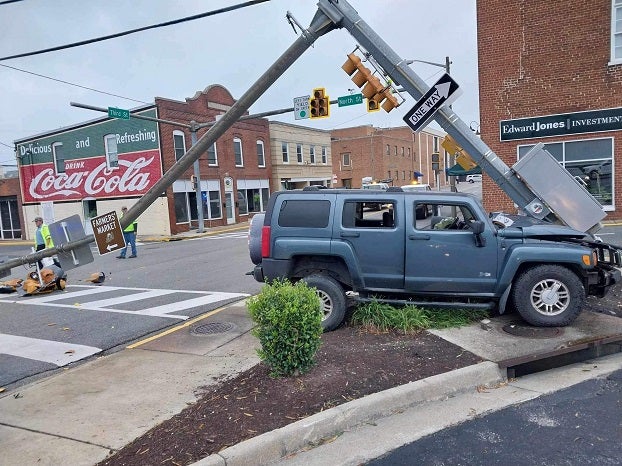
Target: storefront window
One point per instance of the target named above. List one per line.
(590, 161)
(186, 206)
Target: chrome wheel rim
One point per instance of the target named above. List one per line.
(550, 297)
(326, 304)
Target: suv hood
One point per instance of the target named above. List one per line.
(520, 226)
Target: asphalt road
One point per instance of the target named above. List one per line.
(169, 283)
(580, 425)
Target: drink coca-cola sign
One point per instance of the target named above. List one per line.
(136, 174)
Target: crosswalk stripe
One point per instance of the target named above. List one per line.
(188, 303)
(137, 295)
(126, 299)
(53, 352)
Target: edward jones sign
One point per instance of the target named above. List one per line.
(561, 124)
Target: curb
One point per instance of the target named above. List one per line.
(181, 237)
(275, 445)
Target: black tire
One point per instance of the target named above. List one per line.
(548, 296)
(254, 238)
(332, 298)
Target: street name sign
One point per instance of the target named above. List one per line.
(108, 233)
(353, 99)
(301, 107)
(118, 113)
(443, 92)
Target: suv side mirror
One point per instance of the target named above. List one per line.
(478, 228)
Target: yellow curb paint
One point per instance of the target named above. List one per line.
(174, 329)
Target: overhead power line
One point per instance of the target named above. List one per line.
(73, 84)
(6, 2)
(133, 31)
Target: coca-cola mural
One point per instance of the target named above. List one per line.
(134, 176)
(107, 159)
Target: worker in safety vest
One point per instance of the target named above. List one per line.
(43, 239)
(129, 234)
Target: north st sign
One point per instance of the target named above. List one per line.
(443, 92)
(108, 233)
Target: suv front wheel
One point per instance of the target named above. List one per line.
(332, 299)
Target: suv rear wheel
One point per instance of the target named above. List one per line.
(332, 299)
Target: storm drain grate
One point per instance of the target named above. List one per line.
(211, 328)
(523, 330)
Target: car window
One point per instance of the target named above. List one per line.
(446, 217)
(368, 214)
(304, 213)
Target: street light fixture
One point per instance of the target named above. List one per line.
(440, 65)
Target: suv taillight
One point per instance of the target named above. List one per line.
(265, 242)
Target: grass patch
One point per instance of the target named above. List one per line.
(382, 317)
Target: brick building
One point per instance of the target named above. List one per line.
(551, 72)
(395, 154)
(10, 207)
(100, 165)
(235, 171)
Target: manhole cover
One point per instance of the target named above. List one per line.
(525, 330)
(211, 328)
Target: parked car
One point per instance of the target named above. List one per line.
(473, 178)
(375, 187)
(422, 210)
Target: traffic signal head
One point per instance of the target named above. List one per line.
(319, 104)
(372, 88)
(372, 104)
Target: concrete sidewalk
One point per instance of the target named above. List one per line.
(80, 415)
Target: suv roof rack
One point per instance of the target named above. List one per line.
(395, 189)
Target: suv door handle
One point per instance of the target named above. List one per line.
(419, 236)
(353, 234)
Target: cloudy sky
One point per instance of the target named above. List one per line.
(232, 49)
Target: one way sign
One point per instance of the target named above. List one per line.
(441, 93)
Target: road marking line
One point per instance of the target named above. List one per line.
(126, 299)
(53, 352)
(66, 295)
(174, 329)
(188, 303)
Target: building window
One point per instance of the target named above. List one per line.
(299, 153)
(186, 206)
(403, 174)
(409, 152)
(285, 152)
(590, 161)
(212, 156)
(324, 156)
(237, 150)
(395, 150)
(112, 155)
(616, 31)
(402, 151)
(252, 200)
(59, 157)
(345, 159)
(179, 144)
(311, 154)
(388, 149)
(261, 156)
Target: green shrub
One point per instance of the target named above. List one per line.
(289, 326)
(384, 317)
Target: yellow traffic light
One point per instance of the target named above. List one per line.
(319, 104)
(373, 105)
(462, 157)
(371, 87)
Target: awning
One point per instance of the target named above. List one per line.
(418, 173)
(457, 170)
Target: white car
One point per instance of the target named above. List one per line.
(473, 178)
(422, 211)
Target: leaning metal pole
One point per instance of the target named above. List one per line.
(320, 25)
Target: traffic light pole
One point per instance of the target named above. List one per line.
(320, 25)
